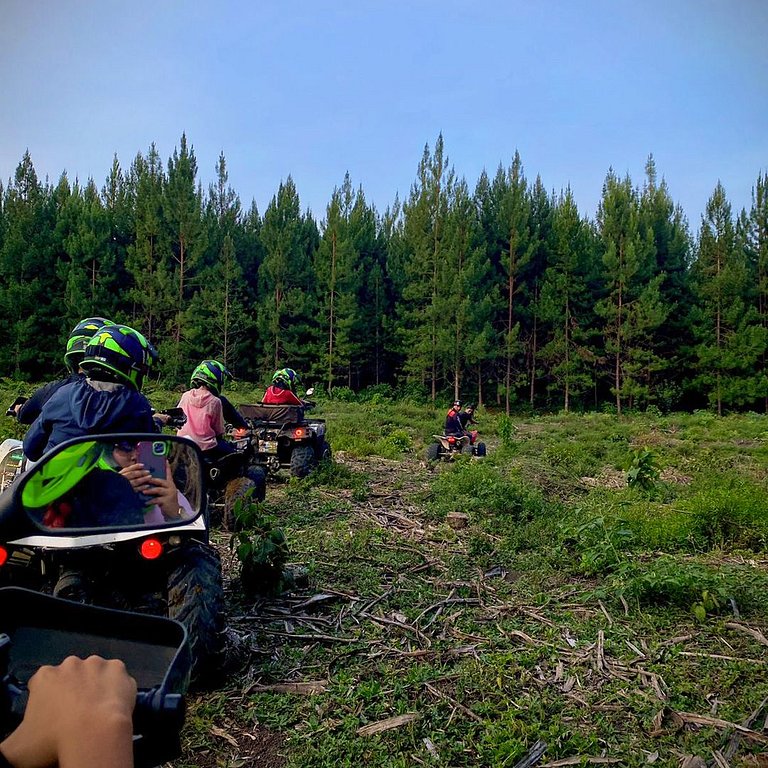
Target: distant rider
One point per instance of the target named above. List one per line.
(453, 425)
(283, 388)
(78, 339)
(467, 418)
(204, 410)
(107, 400)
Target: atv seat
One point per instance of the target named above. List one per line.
(281, 414)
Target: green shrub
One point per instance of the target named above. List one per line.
(643, 472)
(730, 512)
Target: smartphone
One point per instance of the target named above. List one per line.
(153, 455)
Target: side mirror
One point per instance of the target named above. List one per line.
(115, 482)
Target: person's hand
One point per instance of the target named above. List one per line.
(79, 713)
(138, 476)
(162, 418)
(17, 408)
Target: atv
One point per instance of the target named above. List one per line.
(448, 447)
(77, 528)
(286, 438)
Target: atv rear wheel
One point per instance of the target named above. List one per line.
(433, 451)
(196, 599)
(480, 449)
(302, 460)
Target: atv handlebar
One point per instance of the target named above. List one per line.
(12, 407)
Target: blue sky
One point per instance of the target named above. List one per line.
(316, 89)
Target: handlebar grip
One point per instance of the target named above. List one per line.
(155, 710)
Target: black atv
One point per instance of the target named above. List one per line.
(75, 527)
(286, 438)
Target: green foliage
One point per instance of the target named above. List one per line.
(261, 548)
(643, 472)
(506, 431)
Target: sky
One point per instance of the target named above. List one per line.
(318, 89)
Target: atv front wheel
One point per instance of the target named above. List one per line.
(468, 450)
(302, 460)
(196, 599)
(433, 451)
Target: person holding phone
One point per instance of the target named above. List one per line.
(147, 470)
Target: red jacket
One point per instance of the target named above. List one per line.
(279, 396)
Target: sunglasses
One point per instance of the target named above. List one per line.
(125, 446)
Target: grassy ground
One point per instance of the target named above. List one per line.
(616, 624)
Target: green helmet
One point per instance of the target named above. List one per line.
(119, 353)
(210, 373)
(286, 378)
(54, 477)
(78, 340)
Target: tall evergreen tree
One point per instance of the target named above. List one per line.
(731, 337)
(565, 303)
(425, 215)
(182, 209)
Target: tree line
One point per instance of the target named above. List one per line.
(504, 294)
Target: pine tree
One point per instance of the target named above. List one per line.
(425, 215)
(182, 214)
(731, 337)
(565, 303)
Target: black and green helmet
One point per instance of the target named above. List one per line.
(78, 340)
(121, 352)
(286, 378)
(210, 373)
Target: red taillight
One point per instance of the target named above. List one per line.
(299, 432)
(3, 556)
(151, 549)
(451, 440)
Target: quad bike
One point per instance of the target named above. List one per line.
(230, 477)
(235, 476)
(73, 526)
(286, 438)
(37, 630)
(448, 446)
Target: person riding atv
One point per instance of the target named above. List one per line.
(282, 391)
(204, 411)
(108, 399)
(230, 472)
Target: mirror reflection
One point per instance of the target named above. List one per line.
(116, 483)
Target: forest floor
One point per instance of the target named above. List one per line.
(422, 641)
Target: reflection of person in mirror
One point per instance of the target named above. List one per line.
(170, 503)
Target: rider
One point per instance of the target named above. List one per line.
(204, 410)
(78, 339)
(231, 414)
(107, 400)
(453, 425)
(467, 418)
(283, 388)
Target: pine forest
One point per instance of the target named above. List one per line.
(504, 294)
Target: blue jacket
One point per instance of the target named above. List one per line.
(78, 409)
(31, 409)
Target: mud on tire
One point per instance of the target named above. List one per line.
(196, 599)
(238, 489)
(302, 460)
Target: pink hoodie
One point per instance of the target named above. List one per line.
(205, 419)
